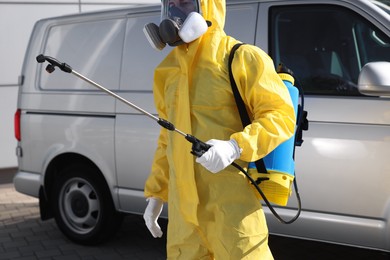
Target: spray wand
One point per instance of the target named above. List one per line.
(198, 147)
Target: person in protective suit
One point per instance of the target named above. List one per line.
(213, 211)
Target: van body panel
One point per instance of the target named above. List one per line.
(28, 182)
(312, 223)
(134, 159)
(334, 151)
(65, 103)
(361, 111)
(78, 135)
(241, 22)
(342, 167)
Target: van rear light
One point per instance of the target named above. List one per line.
(17, 125)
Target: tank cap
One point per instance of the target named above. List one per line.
(283, 69)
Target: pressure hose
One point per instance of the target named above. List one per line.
(198, 147)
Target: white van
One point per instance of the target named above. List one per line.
(86, 155)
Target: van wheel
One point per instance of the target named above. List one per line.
(82, 205)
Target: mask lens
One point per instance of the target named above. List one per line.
(178, 9)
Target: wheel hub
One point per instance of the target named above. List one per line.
(79, 205)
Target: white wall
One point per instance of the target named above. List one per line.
(17, 19)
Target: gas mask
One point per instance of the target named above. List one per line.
(181, 22)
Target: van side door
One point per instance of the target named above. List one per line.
(343, 166)
(136, 134)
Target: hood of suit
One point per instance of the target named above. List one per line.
(214, 11)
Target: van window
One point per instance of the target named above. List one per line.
(93, 49)
(139, 57)
(326, 46)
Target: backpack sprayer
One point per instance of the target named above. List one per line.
(198, 147)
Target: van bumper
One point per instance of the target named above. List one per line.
(28, 183)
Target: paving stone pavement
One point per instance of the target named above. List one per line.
(23, 236)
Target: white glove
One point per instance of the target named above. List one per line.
(152, 212)
(220, 155)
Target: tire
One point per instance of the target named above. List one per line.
(83, 207)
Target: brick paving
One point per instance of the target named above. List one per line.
(23, 236)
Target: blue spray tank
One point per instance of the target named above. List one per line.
(280, 165)
(272, 176)
(281, 159)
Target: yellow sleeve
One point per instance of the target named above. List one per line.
(268, 103)
(157, 183)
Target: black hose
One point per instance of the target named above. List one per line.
(266, 200)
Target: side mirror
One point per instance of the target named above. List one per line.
(374, 79)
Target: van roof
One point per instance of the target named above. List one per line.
(137, 6)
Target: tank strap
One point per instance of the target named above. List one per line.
(260, 166)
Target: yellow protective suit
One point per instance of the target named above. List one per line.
(215, 216)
